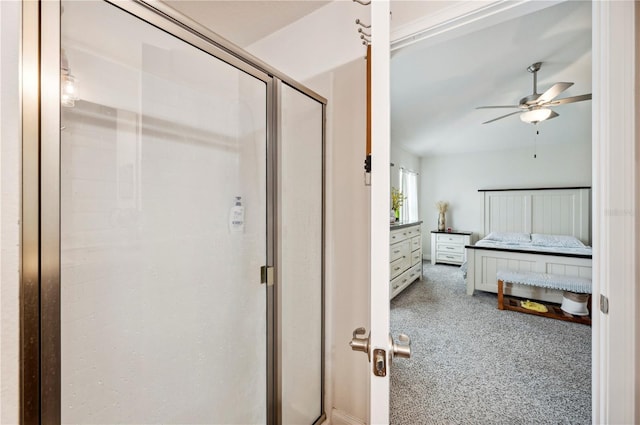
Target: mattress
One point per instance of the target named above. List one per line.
(532, 242)
(535, 242)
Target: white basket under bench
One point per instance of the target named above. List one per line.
(573, 284)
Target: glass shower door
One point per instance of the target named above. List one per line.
(163, 227)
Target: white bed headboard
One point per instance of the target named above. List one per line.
(558, 211)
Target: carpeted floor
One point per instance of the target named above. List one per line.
(474, 364)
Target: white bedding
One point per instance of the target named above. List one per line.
(531, 246)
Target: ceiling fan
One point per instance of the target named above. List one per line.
(535, 107)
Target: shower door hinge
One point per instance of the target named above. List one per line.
(266, 275)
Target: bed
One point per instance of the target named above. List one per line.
(539, 230)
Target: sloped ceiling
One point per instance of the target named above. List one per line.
(435, 87)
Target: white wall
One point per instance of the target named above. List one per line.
(457, 178)
(10, 158)
(347, 248)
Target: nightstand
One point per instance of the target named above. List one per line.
(448, 247)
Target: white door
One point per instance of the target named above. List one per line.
(380, 144)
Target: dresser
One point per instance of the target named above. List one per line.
(448, 247)
(405, 256)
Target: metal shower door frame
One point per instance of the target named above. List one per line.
(40, 329)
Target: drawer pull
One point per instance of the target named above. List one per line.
(450, 247)
(396, 251)
(404, 280)
(448, 256)
(397, 268)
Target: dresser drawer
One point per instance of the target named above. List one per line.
(454, 239)
(399, 250)
(398, 266)
(450, 249)
(416, 257)
(416, 242)
(401, 234)
(414, 272)
(397, 236)
(413, 231)
(396, 284)
(402, 281)
(444, 257)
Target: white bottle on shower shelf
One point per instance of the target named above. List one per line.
(236, 216)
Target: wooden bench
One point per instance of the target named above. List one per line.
(543, 280)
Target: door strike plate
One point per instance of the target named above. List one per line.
(379, 362)
(604, 304)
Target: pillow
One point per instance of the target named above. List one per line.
(509, 237)
(562, 241)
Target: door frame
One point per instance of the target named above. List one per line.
(615, 188)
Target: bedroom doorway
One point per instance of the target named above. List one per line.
(457, 166)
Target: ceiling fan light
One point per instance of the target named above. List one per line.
(536, 115)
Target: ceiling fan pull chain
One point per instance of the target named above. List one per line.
(535, 142)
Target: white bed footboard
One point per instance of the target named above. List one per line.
(483, 265)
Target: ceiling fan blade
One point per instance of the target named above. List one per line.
(498, 106)
(553, 115)
(571, 99)
(499, 118)
(555, 90)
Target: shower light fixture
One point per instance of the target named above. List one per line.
(68, 83)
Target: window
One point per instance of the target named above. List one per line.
(409, 188)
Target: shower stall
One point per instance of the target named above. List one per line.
(173, 230)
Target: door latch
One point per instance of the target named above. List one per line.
(379, 362)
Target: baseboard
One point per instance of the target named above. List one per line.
(339, 417)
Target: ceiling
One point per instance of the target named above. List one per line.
(244, 22)
(435, 87)
(436, 84)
